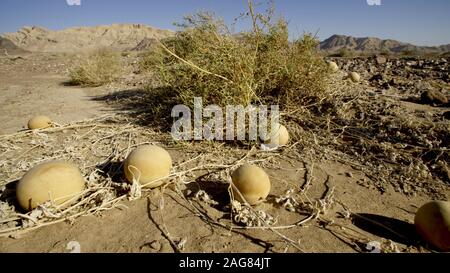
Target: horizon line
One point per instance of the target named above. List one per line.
(174, 30)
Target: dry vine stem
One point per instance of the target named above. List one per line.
(266, 225)
(102, 192)
(190, 63)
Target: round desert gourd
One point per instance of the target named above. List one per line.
(333, 66)
(279, 136)
(252, 183)
(55, 181)
(355, 77)
(432, 222)
(146, 164)
(39, 122)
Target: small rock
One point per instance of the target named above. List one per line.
(381, 60)
(433, 97)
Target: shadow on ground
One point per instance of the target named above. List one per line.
(143, 107)
(215, 188)
(389, 228)
(149, 108)
(8, 195)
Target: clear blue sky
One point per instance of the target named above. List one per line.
(422, 22)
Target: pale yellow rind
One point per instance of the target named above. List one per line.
(54, 181)
(39, 122)
(252, 183)
(146, 164)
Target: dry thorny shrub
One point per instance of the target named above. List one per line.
(95, 69)
(206, 59)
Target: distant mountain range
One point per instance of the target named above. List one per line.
(140, 37)
(375, 45)
(115, 37)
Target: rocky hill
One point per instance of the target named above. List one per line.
(140, 37)
(9, 48)
(116, 37)
(375, 45)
